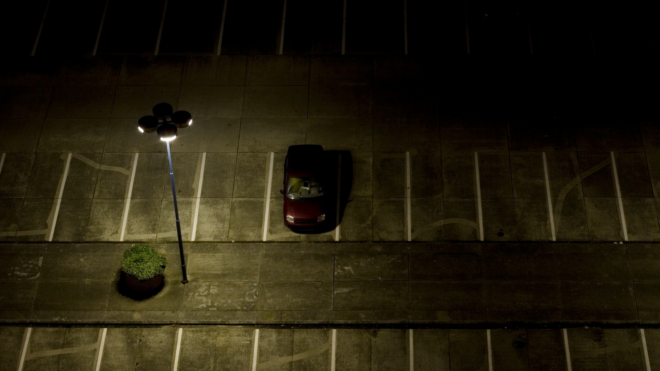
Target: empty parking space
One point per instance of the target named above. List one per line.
(249, 348)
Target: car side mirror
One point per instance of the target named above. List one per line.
(281, 191)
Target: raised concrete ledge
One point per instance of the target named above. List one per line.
(397, 284)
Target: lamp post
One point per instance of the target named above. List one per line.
(165, 123)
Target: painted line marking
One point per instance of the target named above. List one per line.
(411, 352)
(333, 360)
(100, 353)
(408, 212)
(479, 212)
(160, 29)
(343, 31)
(96, 165)
(60, 192)
(270, 182)
(622, 214)
(567, 351)
(338, 227)
(199, 196)
(55, 352)
(646, 349)
(98, 36)
(175, 365)
(547, 189)
(2, 161)
(490, 351)
(24, 349)
(222, 27)
(127, 206)
(405, 27)
(281, 46)
(255, 352)
(41, 28)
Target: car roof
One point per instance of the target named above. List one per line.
(304, 160)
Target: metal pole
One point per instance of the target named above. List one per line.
(176, 213)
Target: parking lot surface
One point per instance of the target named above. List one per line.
(487, 284)
(414, 163)
(254, 348)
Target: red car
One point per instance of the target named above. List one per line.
(304, 201)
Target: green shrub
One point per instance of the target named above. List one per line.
(143, 262)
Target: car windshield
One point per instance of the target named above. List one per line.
(300, 188)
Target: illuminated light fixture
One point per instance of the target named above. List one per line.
(167, 132)
(182, 119)
(165, 123)
(147, 124)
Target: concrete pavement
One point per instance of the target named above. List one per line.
(581, 166)
(263, 348)
(340, 283)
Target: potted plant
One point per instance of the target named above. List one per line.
(142, 269)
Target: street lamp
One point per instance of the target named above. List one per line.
(165, 124)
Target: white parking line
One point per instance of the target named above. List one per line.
(255, 352)
(343, 31)
(642, 334)
(281, 46)
(405, 27)
(160, 30)
(270, 182)
(567, 351)
(478, 186)
(222, 27)
(547, 189)
(98, 36)
(411, 350)
(490, 351)
(622, 214)
(177, 351)
(24, 348)
(407, 206)
(2, 161)
(58, 201)
(333, 360)
(127, 205)
(41, 28)
(199, 196)
(99, 358)
(337, 226)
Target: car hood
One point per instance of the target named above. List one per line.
(308, 209)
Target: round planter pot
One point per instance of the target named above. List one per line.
(148, 286)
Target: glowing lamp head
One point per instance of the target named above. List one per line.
(147, 124)
(167, 132)
(182, 119)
